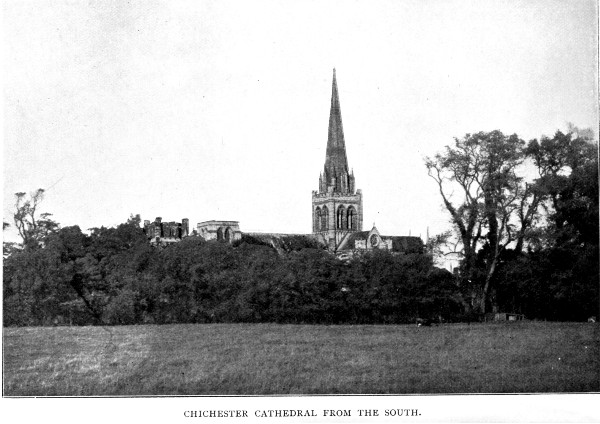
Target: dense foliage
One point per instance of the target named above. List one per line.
(113, 276)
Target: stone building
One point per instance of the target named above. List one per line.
(228, 231)
(369, 240)
(164, 233)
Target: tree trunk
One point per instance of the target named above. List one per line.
(486, 286)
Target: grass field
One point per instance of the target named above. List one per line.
(301, 359)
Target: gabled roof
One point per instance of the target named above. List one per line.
(404, 244)
(352, 237)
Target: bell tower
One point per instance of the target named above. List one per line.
(337, 205)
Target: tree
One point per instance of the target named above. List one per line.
(568, 184)
(527, 246)
(568, 241)
(483, 168)
(40, 284)
(33, 227)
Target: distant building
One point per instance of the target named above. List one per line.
(228, 231)
(337, 210)
(164, 233)
(450, 261)
(369, 240)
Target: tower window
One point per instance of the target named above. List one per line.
(352, 218)
(324, 219)
(317, 223)
(341, 217)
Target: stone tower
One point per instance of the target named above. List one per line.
(337, 205)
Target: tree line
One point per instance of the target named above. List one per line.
(527, 245)
(113, 276)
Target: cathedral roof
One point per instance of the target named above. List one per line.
(283, 242)
(336, 162)
(404, 244)
(352, 237)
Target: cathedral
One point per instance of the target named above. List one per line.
(337, 205)
(337, 209)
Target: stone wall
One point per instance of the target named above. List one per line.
(219, 230)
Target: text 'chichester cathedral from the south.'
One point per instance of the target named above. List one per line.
(337, 209)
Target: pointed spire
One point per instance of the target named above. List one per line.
(336, 162)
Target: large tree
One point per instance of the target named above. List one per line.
(32, 225)
(478, 181)
(501, 221)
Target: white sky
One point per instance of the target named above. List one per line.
(219, 110)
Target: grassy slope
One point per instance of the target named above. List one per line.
(282, 359)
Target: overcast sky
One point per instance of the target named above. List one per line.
(219, 110)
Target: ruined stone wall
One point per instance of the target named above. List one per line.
(162, 233)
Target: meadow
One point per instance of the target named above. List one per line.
(262, 359)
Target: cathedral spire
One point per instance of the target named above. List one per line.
(336, 162)
(337, 205)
